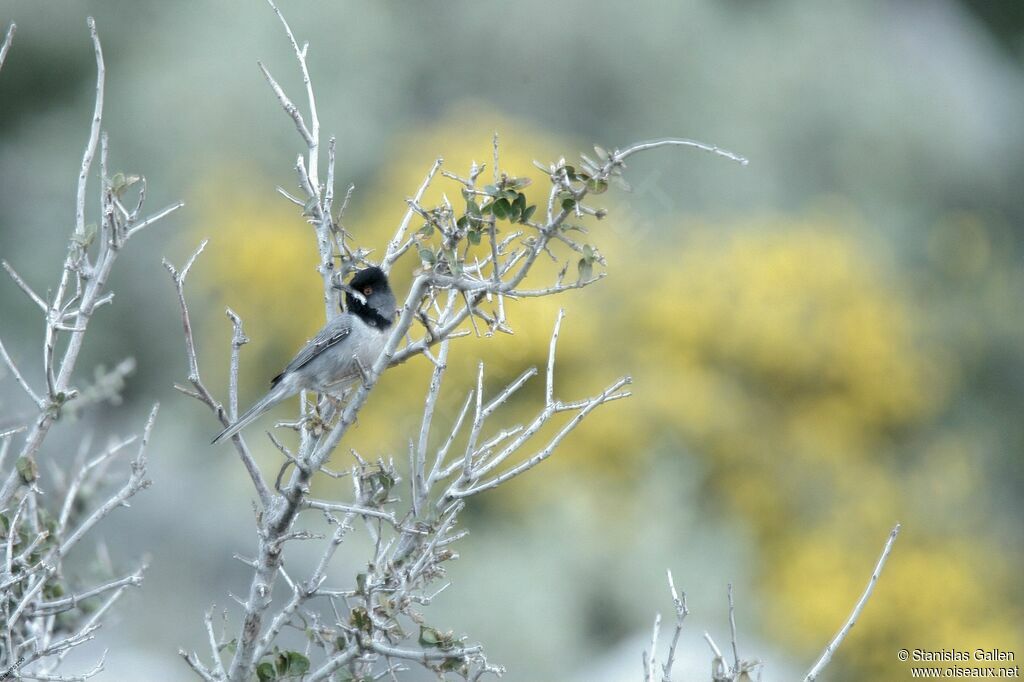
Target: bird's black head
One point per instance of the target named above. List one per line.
(380, 307)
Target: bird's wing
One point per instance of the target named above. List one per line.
(333, 333)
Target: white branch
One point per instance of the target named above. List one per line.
(70, 602)
(6, 45)
(826, 655)
(94, 133)
(313, 135)
(36, 298)
(290, 109)
(398, 244)
(549, 395)
(136, 482)
(681, 612)
(40, 403)
(163, 213)
(682, 142)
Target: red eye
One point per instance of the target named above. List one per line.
(367, 291)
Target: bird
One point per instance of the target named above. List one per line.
(338, 354)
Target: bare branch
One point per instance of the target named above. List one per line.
(325, 671)
(398, 244)
(650, 669)
(676, 141)
(681, 612)
(197, 667)
(289, 108)
(536, 459)
(238, 339)
(70, 602)
(214, 649)
(163, 213)
(6, 45)
(549, 394)
(95, 670)
(179, 283)
(40, 403)
(313, 138)
(36, 298)
(732, 630)
(94, 133)
(136, 482)
(201, 393)
(826, 655)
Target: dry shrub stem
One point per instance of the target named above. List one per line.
(39, 621)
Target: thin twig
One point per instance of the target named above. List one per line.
(682, 142)
(94, 132)
(395, 247)
(6, 45)
(40, 403)
(36, 298)
(826, 655)
(681, 612)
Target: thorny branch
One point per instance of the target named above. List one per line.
(39, 623)
(463, 274)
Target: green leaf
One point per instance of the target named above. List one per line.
(570, 172)
(568, 204)
(503, 205)
(230, 647)
(597, 186)
(492, 190)
(528, 213)
(588, 253)
(426, 230)
(430, 637)
(85, 238)
(265, 672)
(297, 663)
(472, 208)
(452, 664)
(360, 619)
(474, 237)
(26, 467)
(586, 269)
(121, 182)
(427, 256)
(452, 259)
(501, 209)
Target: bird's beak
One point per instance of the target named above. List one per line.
(341, 286)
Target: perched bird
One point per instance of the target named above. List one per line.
(331, 359)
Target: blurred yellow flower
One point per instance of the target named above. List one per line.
(779, 349)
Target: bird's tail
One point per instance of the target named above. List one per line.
(276, 395)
